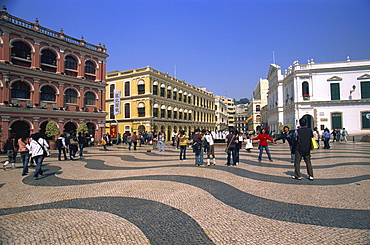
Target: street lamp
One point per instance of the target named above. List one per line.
(351, 91)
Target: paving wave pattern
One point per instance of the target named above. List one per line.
(163, 224)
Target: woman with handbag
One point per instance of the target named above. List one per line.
(38, 150)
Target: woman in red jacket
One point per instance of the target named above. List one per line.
(263, 137)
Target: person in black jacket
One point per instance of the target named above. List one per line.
(290, 136)
(304, 136)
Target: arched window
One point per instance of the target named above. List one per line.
(70, 63)
(89, 67)
(89, 98)
(70, 66)
(162, 90)
(169, 112)
(90, 71)
(70, 96)
(305, 89)
(127, 89)
(47, 93)
(155, 89)
(258, 108)
(141, 87)
(21, 50)
(163, 111)
(48, 57)
(112, 87)
(20, 90)
(127, 110)
(141, 110)
(111, 112)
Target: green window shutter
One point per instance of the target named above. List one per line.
(366, 120)
(335, 92)
(336, 120)
(365, 90)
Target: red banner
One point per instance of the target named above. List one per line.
(113, 132)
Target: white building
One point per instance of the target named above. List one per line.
(221, 114)
(258, 101)
(329, 95)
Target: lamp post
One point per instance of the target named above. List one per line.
(351, 91)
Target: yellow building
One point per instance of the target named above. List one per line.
(146, 99)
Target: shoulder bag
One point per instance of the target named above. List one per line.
(45, 152)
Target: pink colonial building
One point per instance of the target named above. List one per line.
(46, 75)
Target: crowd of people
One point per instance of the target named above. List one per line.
(33, 148)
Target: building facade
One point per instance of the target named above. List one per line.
(146, 99)
(230, 103)
(329, 95)
(221, 114)
(258, 101)
(47, 75)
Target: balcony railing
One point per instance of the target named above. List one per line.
(60, 35)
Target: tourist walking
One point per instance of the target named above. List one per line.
(129, 141)
(211, 149)
(161, 139)
(155, 140)
(37, 148)
(61, 146)
(326, 138)
(23, 141)
(197, 148)
(316, 136)
(263, 144)
(72, 143)
(239, 143)
(334, 133)
(183, 142)
(344, 135)
(11, 151)
(81, 143)
(290, 136)
(134, 140)
(231, 141)
(304, 136)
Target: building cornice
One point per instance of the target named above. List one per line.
(41, 75)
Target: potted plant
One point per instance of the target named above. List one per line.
(306, 96)
(51, 131)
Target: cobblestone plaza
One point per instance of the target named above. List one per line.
(139, 197)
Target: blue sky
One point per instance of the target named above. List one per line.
(224, 45)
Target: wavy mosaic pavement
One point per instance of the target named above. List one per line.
(162, 223)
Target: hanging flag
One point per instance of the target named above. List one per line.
(117, 102)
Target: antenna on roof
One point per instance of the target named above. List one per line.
(273, 57)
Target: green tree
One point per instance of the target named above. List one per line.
(82, 128)
(242, 101)
(52, 129)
